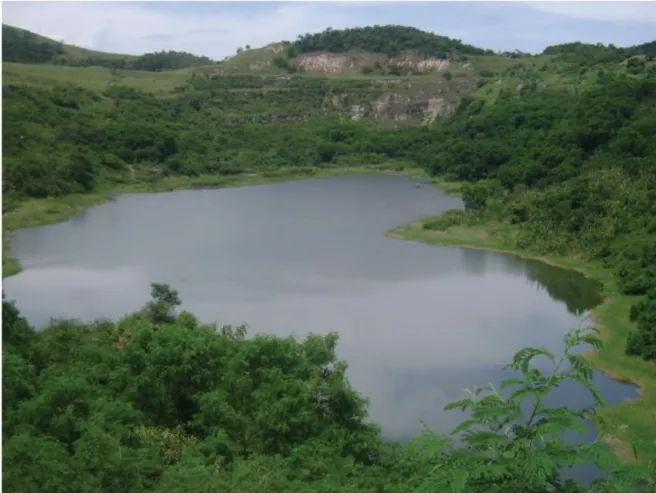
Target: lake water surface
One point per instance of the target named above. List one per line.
(417, 323)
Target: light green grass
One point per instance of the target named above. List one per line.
(449, 187)
(632, 421)
(93, 78)
(241, 63)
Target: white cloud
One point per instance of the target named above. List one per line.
(136, 29)
(601, 11)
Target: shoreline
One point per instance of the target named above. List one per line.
(613, 311)
(630, 420)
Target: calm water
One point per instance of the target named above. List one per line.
(417, 323)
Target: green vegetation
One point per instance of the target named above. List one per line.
(167, 60)
(588, 54)
(160, 84)
(71, 140)
(552, 155)
(391, 40)
(158, 401)
(19, 45)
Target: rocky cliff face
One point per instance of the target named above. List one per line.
(405, 102)
(342, 63)
(402, 109)
(421, 91)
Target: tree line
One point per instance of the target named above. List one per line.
(152, 62)
(388, 39)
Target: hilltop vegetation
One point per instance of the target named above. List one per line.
(162, 403)
(599, 53)
(390, 40)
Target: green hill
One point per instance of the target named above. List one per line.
(21, 46)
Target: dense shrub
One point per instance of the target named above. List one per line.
(160, 402)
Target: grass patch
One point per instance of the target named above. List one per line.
(632, 421)
(449, 187)
(93, 78)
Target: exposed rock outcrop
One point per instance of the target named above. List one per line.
(270, 118)
(419, 64)
(324, 62)
(257, 66)
(337, 63)
(399, 108)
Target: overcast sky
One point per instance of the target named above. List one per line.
(217, 29)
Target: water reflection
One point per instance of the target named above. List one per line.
(570, 287)
(579, 293)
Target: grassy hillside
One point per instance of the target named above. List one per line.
(22, 46)
(556, 156)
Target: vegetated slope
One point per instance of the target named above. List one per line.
(585, 53)
(158, 402)
(22, 46)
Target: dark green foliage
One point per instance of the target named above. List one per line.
(648, 49)
(475, 195)
(67, 140)
(589, 54)
(167, 60)
(643, 341)
(173, 405)
(164, 301)
(390, 40)
(23, 46)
